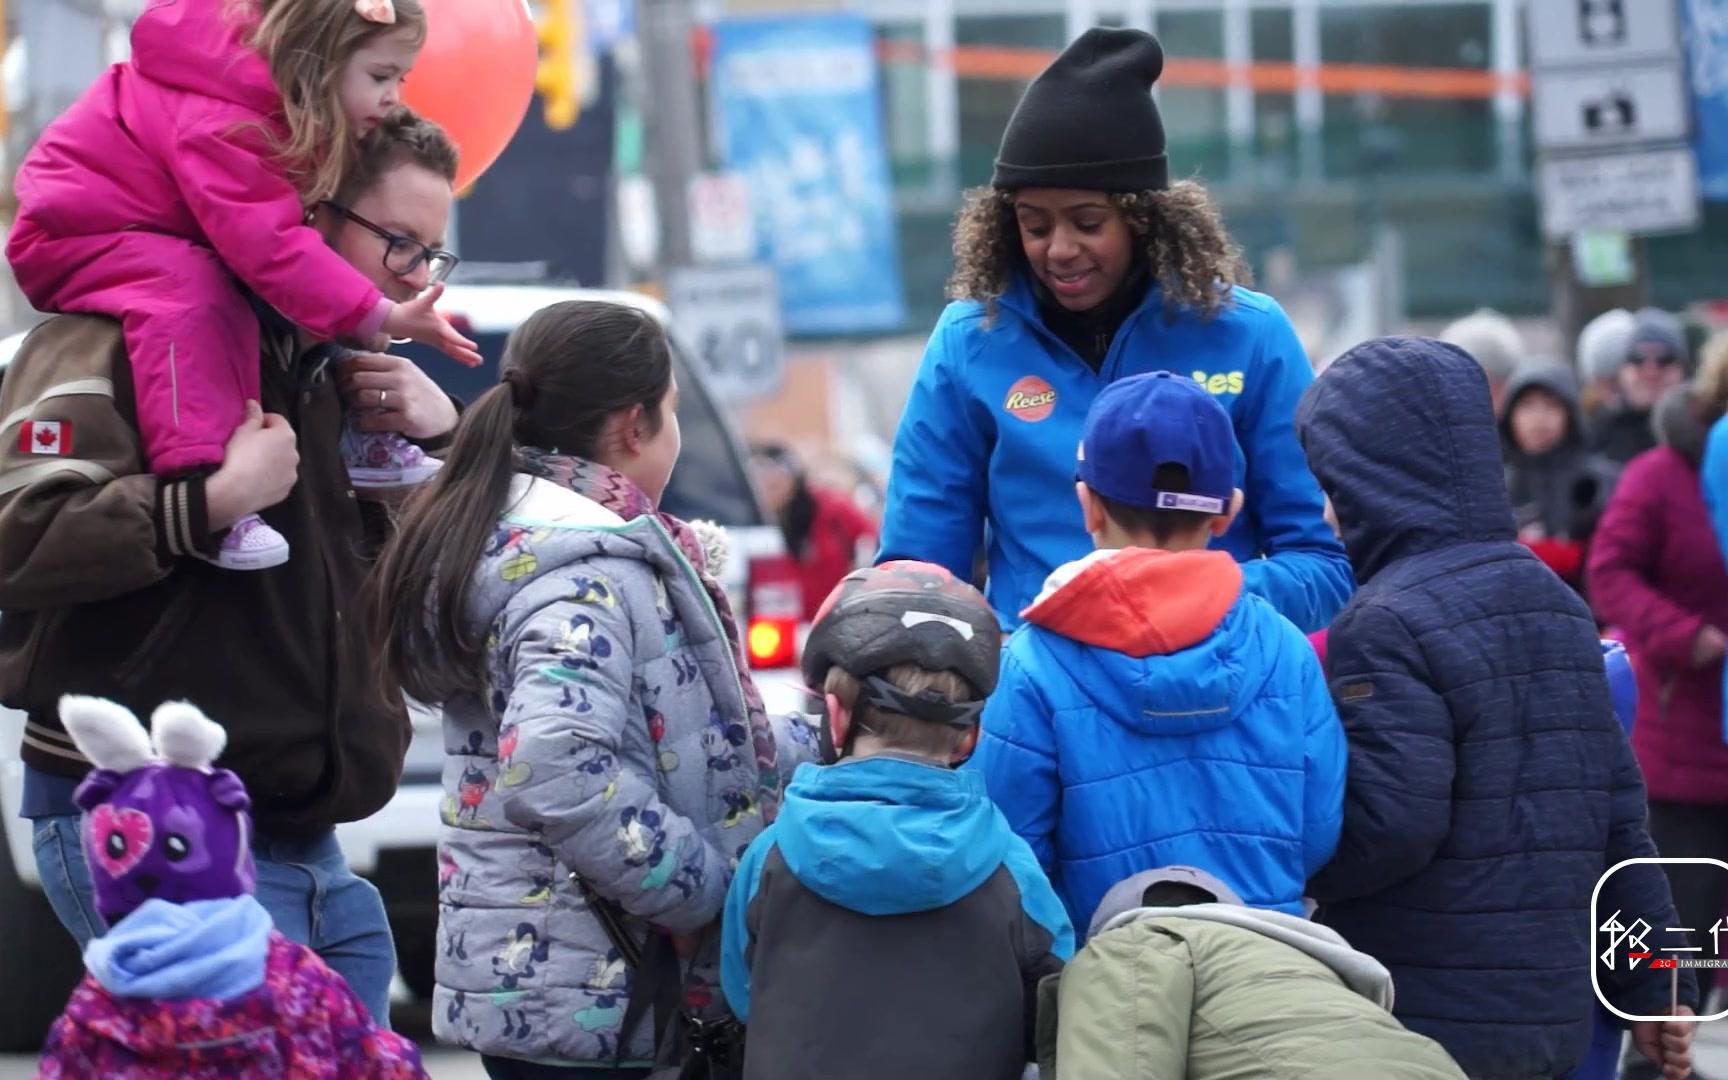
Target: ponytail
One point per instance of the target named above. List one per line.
(416, 596)
(565, 371)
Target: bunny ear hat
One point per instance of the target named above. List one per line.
(113, 738)
(161, 822)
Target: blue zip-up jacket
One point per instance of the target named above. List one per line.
(1714, 470)
(889, 924)
(991, 429)
(1150, 713)
(1491, 785)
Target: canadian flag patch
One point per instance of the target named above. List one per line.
(45, 437)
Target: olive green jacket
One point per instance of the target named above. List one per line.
(1226, 992)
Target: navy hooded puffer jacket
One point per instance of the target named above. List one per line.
(1490, 785)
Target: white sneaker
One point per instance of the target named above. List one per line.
(386, 460)
(251, 545)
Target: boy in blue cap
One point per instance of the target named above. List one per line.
(1150, 711)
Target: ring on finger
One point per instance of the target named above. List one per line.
(383, 395)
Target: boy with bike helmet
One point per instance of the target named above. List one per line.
(890, 890)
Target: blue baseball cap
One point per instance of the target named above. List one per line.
(1142, 422)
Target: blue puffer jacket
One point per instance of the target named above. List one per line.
(1491, 785)
(1151, 713)
(993, 422)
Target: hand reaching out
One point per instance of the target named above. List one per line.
(417, 320)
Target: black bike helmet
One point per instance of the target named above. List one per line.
(907, 613)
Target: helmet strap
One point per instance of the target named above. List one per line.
(826, 751)
(927, 706)
(881, 694)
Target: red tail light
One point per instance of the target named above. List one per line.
(776, 604)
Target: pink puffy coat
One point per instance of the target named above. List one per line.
(303, 1022)
(1657, 573)
(145, 201)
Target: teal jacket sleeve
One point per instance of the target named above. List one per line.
(1041, 905)
(937, 487)
(1716, 481)
(1017, 756)
(1716, 498)
(1046, 938)
(736, 933)
(1305, 573)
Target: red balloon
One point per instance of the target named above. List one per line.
(476, 76)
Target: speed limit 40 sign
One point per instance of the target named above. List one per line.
(730, 316)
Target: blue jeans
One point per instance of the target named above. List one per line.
(303, 882)
(499, 1068)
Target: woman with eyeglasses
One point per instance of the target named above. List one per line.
(1655, 361)
(178, 186)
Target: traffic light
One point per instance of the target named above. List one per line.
(557, 77)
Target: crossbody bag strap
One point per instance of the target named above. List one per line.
(656, 982)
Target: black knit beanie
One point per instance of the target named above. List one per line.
(1088, 121)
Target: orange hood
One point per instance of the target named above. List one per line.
(1139, 601)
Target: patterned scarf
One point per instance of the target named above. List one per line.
(619, 494)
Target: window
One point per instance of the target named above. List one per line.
(1373, 134)
(986, 104)
(1275, 135)
(905, 73)
(1196, 123)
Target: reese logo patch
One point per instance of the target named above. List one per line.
(1031, 399)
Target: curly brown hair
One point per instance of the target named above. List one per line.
(1185, 244)
(1710, 385)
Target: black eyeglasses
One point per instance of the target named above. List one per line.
(1663, 359)
(403, 254)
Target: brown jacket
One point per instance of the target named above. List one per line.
(102, 593)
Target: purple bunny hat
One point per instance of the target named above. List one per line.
(160, 821)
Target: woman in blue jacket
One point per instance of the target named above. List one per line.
(1083, 264)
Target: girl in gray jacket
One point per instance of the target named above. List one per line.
(605, 746)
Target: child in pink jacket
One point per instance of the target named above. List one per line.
(193, 165)
(192, 982)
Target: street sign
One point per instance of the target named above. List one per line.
(1612, 112)
(1586, 109)
(1640, 191)
(730, 315)
(1600, 33)
(722, 221)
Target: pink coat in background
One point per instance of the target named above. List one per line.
(1657, 573)
(147, 198)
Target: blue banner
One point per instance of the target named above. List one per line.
(1706, 30)
(800, 117)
